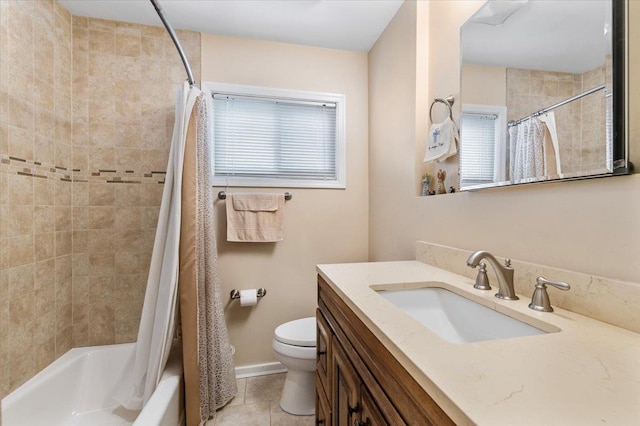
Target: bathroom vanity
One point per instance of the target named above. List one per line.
(379, 365)
(351, 361)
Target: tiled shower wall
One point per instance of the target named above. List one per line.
(35, 188)
(124, 82)
(580, 124)
(86, 110)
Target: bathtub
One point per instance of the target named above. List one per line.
(76, 390)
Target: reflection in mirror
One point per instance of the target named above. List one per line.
(537, 92)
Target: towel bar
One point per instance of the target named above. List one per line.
(223, 195)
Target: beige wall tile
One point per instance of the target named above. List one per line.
(63, 243)
(44, 219)
(102, 42)
(63, 217)
(128, 44)
(101, 217)
(101, 264)
(101, 194)
(19, 220)
(128, 217)
(102, 241)
(43, 192)
(21, 250)
(20, 190)
(21, 280)
(44, 246)
(21, 310)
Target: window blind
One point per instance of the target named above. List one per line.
(477, 154)
(260, 137)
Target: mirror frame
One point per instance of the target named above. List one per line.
(620, 121)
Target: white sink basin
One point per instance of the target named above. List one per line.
(456, 318)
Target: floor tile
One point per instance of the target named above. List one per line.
(264, 388)
(239, 398)
(257, 414)
(282, 418)
(258, 404)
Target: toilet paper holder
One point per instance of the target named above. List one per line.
(235, 294)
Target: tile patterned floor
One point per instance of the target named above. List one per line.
(257, 404)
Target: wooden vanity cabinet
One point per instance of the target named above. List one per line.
(359, 382)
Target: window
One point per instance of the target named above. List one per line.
(277, 138)
(483, 147)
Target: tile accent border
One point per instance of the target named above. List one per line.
(604, 299)
(19, 166)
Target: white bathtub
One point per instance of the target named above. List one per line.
(76, 390)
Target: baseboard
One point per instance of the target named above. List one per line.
(259, 370)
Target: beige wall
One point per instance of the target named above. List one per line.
(484, 85)
(587, 226)
(321, 225)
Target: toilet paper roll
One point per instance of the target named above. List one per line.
(249, 297)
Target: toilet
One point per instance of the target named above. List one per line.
(294, 344)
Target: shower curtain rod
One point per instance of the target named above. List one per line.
(559, 104)
(174, 37)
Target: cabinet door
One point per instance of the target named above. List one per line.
(323, 411)
(346, 388)
(370, 413)
(324, 352)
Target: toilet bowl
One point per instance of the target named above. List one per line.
(294, 344)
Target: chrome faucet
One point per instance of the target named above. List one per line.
(504, 273)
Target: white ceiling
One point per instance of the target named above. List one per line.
(560, 35)
(338, 24)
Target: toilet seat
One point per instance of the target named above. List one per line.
(301, 332)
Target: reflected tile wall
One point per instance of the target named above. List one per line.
(35, 188)
(580, 124)
(124, 82)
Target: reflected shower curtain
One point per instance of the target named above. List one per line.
(527, 150)
(207, 356)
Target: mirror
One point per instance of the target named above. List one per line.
(542, 92)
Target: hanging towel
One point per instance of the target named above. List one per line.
(442, 141)
(255, 217)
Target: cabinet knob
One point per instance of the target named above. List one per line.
(320, 421)
(353, 410)
(322, 353)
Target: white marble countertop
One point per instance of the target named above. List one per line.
(588, 373)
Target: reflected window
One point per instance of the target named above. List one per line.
(483, 152)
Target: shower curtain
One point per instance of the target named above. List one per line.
(209, 377)
(207, 356)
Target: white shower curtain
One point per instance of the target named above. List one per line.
(158, 321)
(553, 169)
(528, 161)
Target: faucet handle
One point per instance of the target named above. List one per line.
(482, 280)
(557, 284)
(540, 298)
(507, 262)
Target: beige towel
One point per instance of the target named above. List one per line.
(255, 217)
